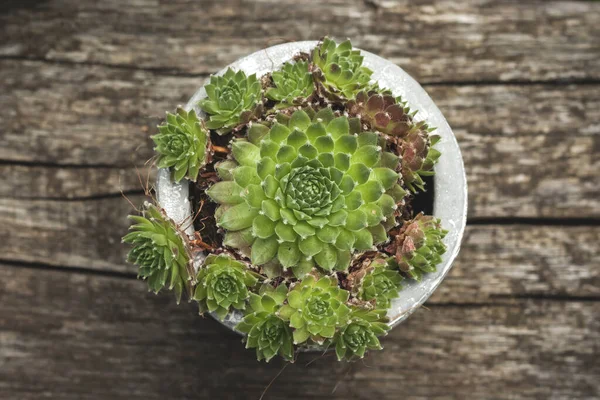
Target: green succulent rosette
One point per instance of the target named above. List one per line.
(159, 250)
(265, 331)
(182, 144)
(360, 333)
(315, 309)
(232, 100)
(341, 73)
(418, 247)
(308, 191)
(222, 284)
(378, 282)
(293, 84)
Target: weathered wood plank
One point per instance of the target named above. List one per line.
(433, 40)
(85, 115)
(85, 234)
(501, 260)
(60, 183)
(530, 151)
(74, 336)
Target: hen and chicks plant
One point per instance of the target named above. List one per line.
(304, 179)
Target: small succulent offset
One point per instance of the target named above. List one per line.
(341, 74)
(159, 250)
(265, 330)
(418, 247)
(315, 309)
(233, 99)
(223, 283)
(304, 179)
(376, 281)
(182, 144)
(381, 112)
(293, 84)
(360, 333)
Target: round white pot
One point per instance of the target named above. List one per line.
(450, 184)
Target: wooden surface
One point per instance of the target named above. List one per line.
(82, 85)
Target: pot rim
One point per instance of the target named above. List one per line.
(450, 184)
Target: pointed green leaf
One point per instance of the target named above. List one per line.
(263, 227)
(245, 153)
(288, 254)
(263, 250)
(326, 258)
(225, 192)
(238, 217)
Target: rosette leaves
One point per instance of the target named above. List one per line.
(265, 330)
(308, 191)
(418, 247)
(293, 84)
(159, 251)
(360, 333)
(222, 284)
(232, 100)
(381, 112)
(315, 309)
(341, 73)
(418, 157)
(375, 281)
(182, 144)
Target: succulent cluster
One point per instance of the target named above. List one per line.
(304, 220)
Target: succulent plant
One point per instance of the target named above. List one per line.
(418, 157)
(293, 84)
(159, 251)
(308, 191)
(418, 247)
(360, 333)
(181, 144)
(315, 309)
(232, 100)
(222, 283)
(265, 330)
(381, 112)
(389, 115)
(376, 281)
(310, 237)
(340, 71)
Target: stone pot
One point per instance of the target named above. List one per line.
(450, 185)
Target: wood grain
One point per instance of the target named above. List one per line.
(82, 86)
(82, 234)
(79, 336)
(36, 182)
(433, 40)
(530, 151)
